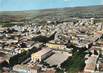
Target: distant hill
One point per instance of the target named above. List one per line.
(88, 11)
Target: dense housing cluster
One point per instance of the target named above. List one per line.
(71, 46)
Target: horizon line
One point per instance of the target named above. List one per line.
(49, 8)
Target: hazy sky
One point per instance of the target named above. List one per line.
(11, 5)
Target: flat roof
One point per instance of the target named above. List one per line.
(91, 63)
(57, 58)
(42, 52)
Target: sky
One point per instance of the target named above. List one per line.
(18, 5)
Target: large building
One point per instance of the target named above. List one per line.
(26, 69)
(58, 58)
(55, 46)
(40, 55)
(91, 64)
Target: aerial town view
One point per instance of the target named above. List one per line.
(51, 36)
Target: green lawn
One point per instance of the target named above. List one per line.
(74, 64)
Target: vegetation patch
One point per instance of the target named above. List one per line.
(76, 63)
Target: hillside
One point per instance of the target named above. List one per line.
(62, 13)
